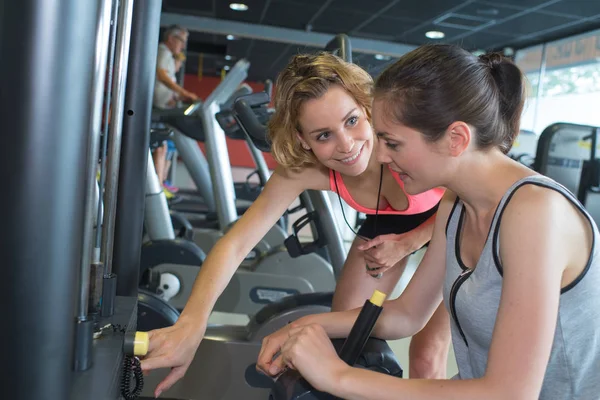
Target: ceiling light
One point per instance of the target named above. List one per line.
(238, 7)
(435, 35)
(230, 37)
(382, 57)
(228, 57)
(226, 68)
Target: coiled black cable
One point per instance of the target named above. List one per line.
(131, 366)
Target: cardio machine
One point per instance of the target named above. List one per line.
(567, 153)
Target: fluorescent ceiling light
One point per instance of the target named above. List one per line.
(238, 7)
(435, 35)
(382, 57)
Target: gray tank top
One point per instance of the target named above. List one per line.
(472, 298)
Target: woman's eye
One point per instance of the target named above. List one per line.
(352, 121)
(323, 136)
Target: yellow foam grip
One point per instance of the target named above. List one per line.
(378, 298)
(141, 344)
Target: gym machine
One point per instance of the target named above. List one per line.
(358, 349)
(567, 153)
(53, 313)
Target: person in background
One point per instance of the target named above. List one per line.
(167, 92)
(171, 149)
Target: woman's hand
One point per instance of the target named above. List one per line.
(173, 347)
(271, 346)
(308, 349)
(385, 251)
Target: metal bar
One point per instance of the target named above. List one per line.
(97, 94)
(104, 141)
(156, 216)
(197, 166)
(220, 169)
(281, 35)
(229, 85)
(259, 160)
(216, 145)
(141, 74)
(540, 87)
(335, 244)
(44, 96)
(116, 130)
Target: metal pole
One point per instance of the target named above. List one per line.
(197, 167)
(156, 218)
(134, 152)
(44, 96)
(335, 244)
(102, 37)
(259, 160)
(116, 130)
(216, 144)
(104, 142)
(540, 88)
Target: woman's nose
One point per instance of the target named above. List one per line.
(381, 153)
(346, 144)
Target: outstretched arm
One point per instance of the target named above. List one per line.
(175, 346)
(163, 76)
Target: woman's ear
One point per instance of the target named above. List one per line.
(459, 134)
(303, 143)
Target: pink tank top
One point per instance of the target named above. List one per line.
(416, 203)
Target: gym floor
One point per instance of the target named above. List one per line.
(400, 347)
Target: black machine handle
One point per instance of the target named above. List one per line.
(248, 121)
(255, 99)
(292, 243)
(340, 46)
(590, 171)
(291, 386)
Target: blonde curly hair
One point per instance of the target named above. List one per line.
(306, 77)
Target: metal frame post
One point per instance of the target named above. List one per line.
(134, 145)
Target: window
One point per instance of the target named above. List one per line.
(530, 62)
(569, 88)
